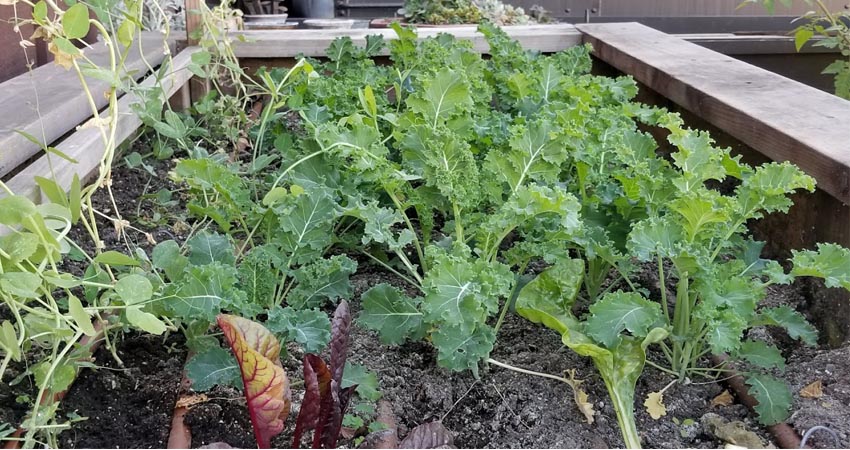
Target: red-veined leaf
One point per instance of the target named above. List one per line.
(339, 340)
(317, 381)
(266, 387)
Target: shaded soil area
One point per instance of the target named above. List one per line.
(127, 406)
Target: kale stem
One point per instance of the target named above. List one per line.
(663, 369)
(397, 273)
(663, 283)
(458, 224)
(508, 300)
(528, 372)
(409, 224)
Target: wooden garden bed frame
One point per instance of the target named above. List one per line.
(775, 118)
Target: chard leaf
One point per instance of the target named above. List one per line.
(773, 396)
(793, 322)
(309, 327)
(761, 354)
(317, 385)
(266, 387)
(392, 314)
(321, 280)
(212, 366)
(619, 311)
(548, 298)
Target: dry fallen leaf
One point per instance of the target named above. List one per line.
(724, 399)
(655, 405)
(580, 397)
(813, 390)
(191, 400)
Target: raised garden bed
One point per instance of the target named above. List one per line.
(194, 201)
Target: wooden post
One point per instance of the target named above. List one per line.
(193, 19)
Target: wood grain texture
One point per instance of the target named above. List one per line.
(193, 19)
(290, 43)
(50, 101)
(86, 145)
(778, 117)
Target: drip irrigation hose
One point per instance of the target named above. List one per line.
(811, 431)
(784, 434)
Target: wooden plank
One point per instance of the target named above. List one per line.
(735, 44)
(86, 145)
(783, 119)
(290, 43)
(50, 101)
(193, 19)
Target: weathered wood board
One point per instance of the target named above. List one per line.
(50, 101)
(782, 119)
(290, 43)
(86, 146)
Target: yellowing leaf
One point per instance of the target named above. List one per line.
(724, 399)
(580, 397)
(813, 390)
(655, 405)
(266, 387)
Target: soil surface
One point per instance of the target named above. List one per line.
(127, 406)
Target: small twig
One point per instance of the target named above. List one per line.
(505, 402)
(458, 401)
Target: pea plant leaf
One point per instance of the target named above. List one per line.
(266, 386)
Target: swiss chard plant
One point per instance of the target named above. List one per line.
(267, 389)
(325, 398)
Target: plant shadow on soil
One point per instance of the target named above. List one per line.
(131, 407)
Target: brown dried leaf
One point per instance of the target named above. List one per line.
(724, 399)
(655, 405)
(813, 390)
(191, 400)
(428, 435)
(580, 397)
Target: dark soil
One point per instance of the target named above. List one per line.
(129, 406)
